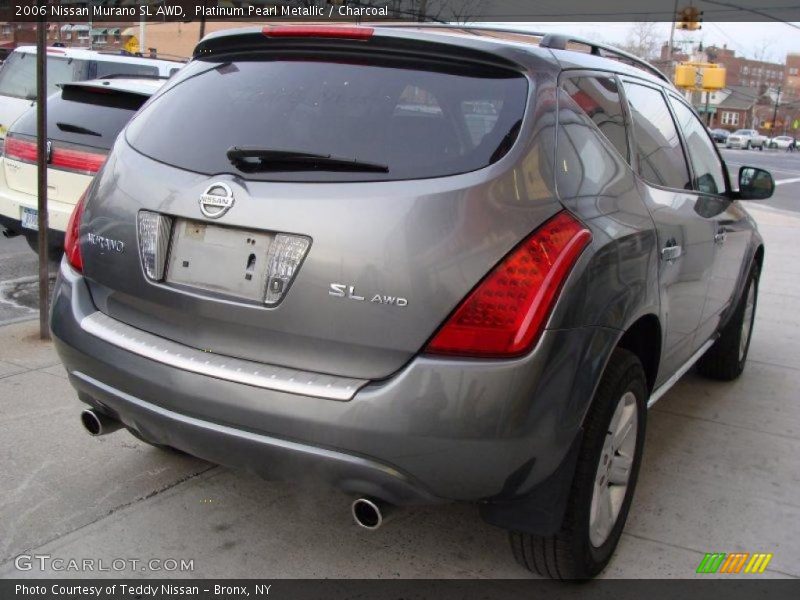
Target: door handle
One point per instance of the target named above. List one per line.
(670, 253)
(719, 237)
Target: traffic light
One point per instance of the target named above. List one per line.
(689, 18)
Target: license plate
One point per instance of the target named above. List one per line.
(30, 218)
(219, 259)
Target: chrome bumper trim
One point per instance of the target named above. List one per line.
(218, 366)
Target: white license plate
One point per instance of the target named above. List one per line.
(30, 218)
(219, 259)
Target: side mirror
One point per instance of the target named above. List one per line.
(755, 184)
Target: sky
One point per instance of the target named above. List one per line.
(747, 39)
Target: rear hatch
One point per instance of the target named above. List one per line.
(323, 211)
(83, 121)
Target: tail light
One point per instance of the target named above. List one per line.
(506, 313)
(319, 31)
(18, 149)
(77, 160)
(60, 158)
(72, 237)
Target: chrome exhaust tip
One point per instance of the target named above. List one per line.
(369, 514)
(96, 423)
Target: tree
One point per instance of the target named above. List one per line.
(642, 40)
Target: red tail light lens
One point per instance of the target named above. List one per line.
(18, 149)
(504, 316)
(77, 160)
(72, 237)
(319, 31)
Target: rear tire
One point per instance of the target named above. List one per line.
(608, 455)
(725, 360)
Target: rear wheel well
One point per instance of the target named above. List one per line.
(643, 338)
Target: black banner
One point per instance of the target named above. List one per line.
(459, 11)
(331, 589)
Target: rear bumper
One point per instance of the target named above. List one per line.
(437, 430)
(12, 202)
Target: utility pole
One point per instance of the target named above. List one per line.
(672, 39)
(775, 111)
(41, 164)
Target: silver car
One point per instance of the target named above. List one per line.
(417, 264)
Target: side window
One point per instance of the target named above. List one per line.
(109, 68)
(598, 97)
(709, 177)
(657, 144)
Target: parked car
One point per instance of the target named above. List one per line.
(421, 314)
(782, 142)
(746, 139)
(719, 135)
(64, 65)
(84, 119)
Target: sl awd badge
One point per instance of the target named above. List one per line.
(341, 290)
(216, 200)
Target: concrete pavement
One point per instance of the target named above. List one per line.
(720, 475)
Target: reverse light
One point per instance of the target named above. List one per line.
(286, 253)
(154, 234)
(505, 314)
(319, 31)
(72, 237)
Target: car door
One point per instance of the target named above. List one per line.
(731, 226)
(685, 236)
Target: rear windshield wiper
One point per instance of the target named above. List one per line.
(69, 127)
(250, 160)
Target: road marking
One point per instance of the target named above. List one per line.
(785, 181)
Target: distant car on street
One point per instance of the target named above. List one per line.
(719, 135)
(746, 139)
(781, 142)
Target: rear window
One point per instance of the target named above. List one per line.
(18, 75)
(107, 68)
(85, 118)
(418, 122)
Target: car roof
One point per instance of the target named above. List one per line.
(561, 51)
(86, 54)
(143, 86)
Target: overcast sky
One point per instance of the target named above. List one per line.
(747, 39)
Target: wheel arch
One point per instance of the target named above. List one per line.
(643, 338)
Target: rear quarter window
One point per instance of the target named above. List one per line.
(419, 122)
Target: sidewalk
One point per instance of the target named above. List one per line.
(721, 474)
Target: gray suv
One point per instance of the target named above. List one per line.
(420, 264)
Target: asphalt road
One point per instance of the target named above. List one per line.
(18, 265)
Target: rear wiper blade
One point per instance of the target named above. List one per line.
(251, 159)
(77, 129)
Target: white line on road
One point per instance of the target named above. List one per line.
(784, 181)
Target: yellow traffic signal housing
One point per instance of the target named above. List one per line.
(689, 18)
(713, 77)
(685, 76)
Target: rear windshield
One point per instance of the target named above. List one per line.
(82, 117)
(18, 75)
(419, 122)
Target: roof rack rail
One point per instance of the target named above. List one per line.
(552, 41)
(560, 42)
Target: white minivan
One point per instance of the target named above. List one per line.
(64, 65)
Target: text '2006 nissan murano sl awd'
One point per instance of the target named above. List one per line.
(420, 264)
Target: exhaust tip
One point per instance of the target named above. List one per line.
(91, 422)
(367, 514)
